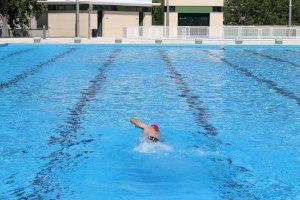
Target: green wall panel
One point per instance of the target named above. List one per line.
(193, 9)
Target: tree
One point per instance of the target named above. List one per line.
(4, 15)
(263, 12)
(158, 13)
(17, 13)
(296, 12)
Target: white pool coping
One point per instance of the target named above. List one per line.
(151, 41)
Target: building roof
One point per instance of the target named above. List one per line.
(147, 3)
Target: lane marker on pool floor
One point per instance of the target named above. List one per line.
(4, 45)
(271, 84)
(193, 101)
(16, 53)
(73, 121)
(68, 131)
(292, 51)
(201, 119)
(272, 58)
(33, 70)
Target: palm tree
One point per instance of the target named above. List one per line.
(4, 15)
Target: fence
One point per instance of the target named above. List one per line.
(225, 32)
(15, 33)
(189, 32)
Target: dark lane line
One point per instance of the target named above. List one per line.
(72, 124)
(201, 119)
(271, 84)
(4, 45)
(16, 53)
(67, 138)
(272, 58)
(193, 101)
(33, 70)
(293, 51)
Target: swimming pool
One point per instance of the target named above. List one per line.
(230, 122)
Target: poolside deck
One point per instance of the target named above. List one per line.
(151, 41)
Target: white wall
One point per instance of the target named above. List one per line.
(114, 22)
(147, 19)
(62, 23)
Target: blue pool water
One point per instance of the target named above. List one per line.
(229, 118)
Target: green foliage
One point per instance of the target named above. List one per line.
(158, 13)
(20, 11)
(296, 12)
(260, 12)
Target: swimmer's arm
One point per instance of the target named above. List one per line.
(138, 124)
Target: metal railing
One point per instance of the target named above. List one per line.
(254, 32)
(225, 32)
(166, 32)
(188, 32)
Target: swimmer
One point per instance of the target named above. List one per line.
(152, 132)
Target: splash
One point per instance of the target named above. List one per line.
(147, 146)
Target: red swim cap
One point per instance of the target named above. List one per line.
(155, 127)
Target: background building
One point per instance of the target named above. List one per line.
(195, 13)
(106, 17)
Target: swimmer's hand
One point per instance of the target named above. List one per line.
(138, 124)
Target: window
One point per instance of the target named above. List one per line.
(60, 7)
(101, 8)
(67, 7)
(70, 7)
(217, 9)
(171, 8)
